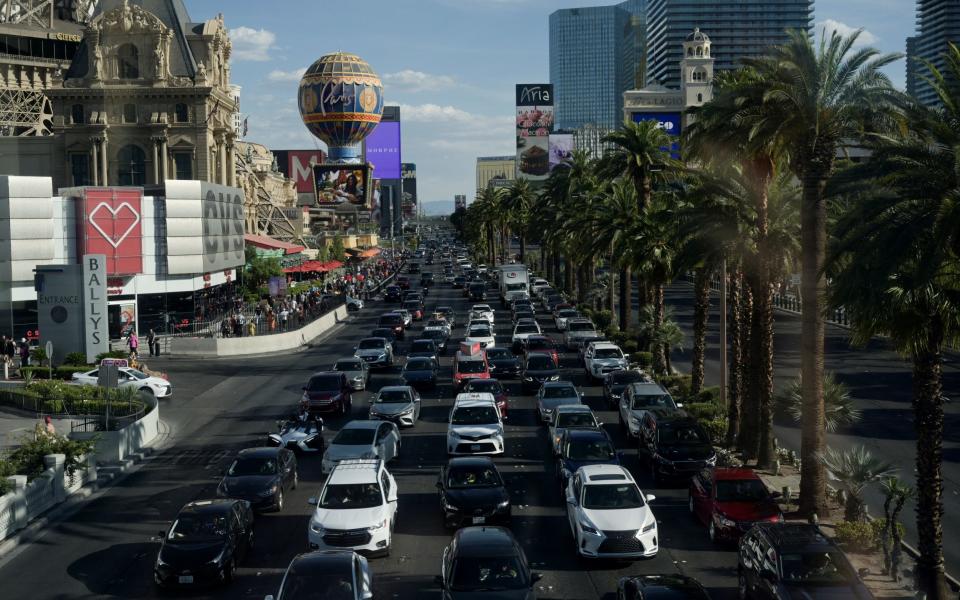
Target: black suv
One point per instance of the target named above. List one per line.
(426, 279)
(485, 562)
(478, 291)
(392, 294)
(794, 560)
(674, 447)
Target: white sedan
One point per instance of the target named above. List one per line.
(609, 516)
(482, 311)
(481, 334)
(130, 377)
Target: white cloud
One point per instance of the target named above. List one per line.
(830, 25)
(409, 80)
(434, 113)
(252, 44)
(278, 75)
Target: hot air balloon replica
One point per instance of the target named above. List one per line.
(341, 102)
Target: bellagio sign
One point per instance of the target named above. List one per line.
(204, 227)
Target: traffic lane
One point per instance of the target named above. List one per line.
(880, 384)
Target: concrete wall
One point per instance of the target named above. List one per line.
(278, 342)
(115, 446)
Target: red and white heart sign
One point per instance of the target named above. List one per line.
(113, 227)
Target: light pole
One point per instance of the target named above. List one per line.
(723, 333)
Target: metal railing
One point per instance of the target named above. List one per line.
(784, 301)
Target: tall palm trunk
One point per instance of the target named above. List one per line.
(928, 423)
(813, 438)
(701, 287)
(611, 292)
(660, 303)
(659, 356)
(555, 280)
(567, 274)
(582, 285)
(626, 299)
(749, 413)
(763, 315)
(523, 249)
(734, 332)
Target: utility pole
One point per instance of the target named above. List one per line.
(723, 333)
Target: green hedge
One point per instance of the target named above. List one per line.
(677, 385)
(644, 359)
(55, 397)
(27, 458)
(64, 372)
(704, 411)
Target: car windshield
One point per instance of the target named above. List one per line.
(682, 434)
(567, 313)
(198, 528)
(498, 353)
(253, 465)
(354, 436)
(436, 323)
(539, 344)
(491, 386)
(422, 346)
(324, 384)
(579, 326)
(559, 391)
(527, 328)
(349, 496)
(608, 353)
(419, 364)
(513, 287)
(393, 396)
(652, 400)
(348, 365)
(540, 362)
(819, 568)
(622, 378)
(474, 415)
(470, 366)
(322, 585)
(383, 333)
(414, 304)
(433, 334)
(136, 373)
(488, 574)
(612, 497)
(576, 419)
(590, 449)
(471, 476)
(391, 320)
(370, 345)
(742, 490)
(479, 331)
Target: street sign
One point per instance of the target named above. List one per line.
(108, 376)
(49, 349)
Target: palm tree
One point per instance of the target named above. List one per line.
(518, 201)
(815, 100)
(641, 154)
(894, 269)
(839, 408)
(856, 469)
(895, 495)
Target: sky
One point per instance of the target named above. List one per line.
(451, 65)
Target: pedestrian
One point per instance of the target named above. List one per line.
(241, 324)
(134, 343)
(48, 426)
(152, 346)
(24, 353)
(284, 315)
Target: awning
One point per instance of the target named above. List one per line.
(314, 266)
(370, 252)
(262, 241)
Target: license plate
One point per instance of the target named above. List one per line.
(185, 579)
(479, 520)
(475, 448)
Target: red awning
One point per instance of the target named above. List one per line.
(370, 252)
(314, 266)
(268, 243)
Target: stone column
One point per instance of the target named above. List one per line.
(95, 160)
(212, 166)
(104, 162)
(231, 164)
(222, 151)
(164, 160)
(19, 515)
(156, 159)
(56, 462)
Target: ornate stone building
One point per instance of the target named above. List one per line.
(147, 98)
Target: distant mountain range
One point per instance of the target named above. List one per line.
(437, 207)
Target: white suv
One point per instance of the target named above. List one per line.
(356, 509)
(482, 311)
(476, 426)
(601, 358)
(608, 514)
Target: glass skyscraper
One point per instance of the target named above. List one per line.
(596, 54)
(938, 23)
(737, 28)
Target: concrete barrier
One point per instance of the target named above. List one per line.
(264, 344)
(115, 446)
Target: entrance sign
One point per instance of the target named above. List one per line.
(96, 337)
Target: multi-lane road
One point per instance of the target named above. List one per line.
(107, 548)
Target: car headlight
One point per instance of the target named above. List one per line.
(406, 412)
(588, 527)
(316, 527)
(217, 559)
(504, 504)
(453, 433)
(381, 356)
(554, 377)
(634, 420)
(378, 526)
(712, 461)
(527, 378)
(650, 527)
(269, 492)
(309, 438)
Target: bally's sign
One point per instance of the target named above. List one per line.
(534, 94)
(205, 227)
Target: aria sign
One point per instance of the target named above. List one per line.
(534, 94)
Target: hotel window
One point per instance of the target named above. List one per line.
(128, 62)
(76, 114)
(181, 114)
(183, 165)
(129, 113)
(80, 169)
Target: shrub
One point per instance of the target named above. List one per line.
(75, 358)
(704, 411)
(716, 429)
(602, 319)
(855, 536)
(708, 395)
(113, 354)
(27, 458)
(630, 346)
(677, 385)
(64, 372)
(644, 359)
(38, 355)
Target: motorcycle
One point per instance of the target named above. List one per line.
(299, 434)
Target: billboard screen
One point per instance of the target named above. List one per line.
(297, 165)
(382, 149)
(561, 148)
(341, 185)
(112, 226)
(205, 227)
(409, 176)
(668, 121)
(534, 126)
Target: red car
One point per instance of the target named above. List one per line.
(327, 392)
(490, 386)
(542, 343)
(730, 501)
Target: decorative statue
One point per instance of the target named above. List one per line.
(98, 62)
(201, 72)
(159, 55)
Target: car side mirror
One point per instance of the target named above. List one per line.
(439, 581)
(161, 534)
(312, 501)
(535, 577)
(651, 497)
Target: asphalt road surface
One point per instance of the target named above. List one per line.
(108, 548)
(880, 382)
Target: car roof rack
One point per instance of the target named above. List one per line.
(796, 534)
(359, 463)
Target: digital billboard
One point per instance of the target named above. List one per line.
(112, 226)
(382, 149)
(561, 148)
(670, 122)
(297, 165)
(534, 126)
(409, 176)
(205, 227)
(341, 185)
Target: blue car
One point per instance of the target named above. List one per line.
(420, 371)
(582, 447)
